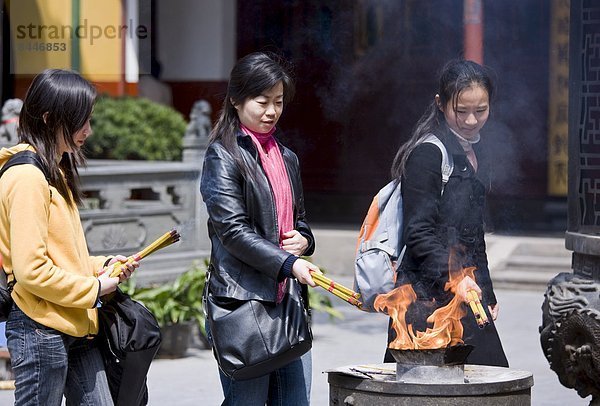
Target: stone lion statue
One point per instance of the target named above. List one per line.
(200, 123)
(10, 120)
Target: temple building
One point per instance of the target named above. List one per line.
(365, 71)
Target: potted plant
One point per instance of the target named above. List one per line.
(177, 307)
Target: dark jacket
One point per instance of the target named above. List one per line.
(242, 222)
(435, 222)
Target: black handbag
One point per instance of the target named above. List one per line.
(6, 301)
(129, 339)
(252, 338)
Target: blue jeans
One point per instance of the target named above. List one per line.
(283, 387)
(48, 364)
(289, 385)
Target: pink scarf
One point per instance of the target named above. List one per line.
(274, 167)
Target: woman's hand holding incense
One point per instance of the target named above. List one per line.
(494, 309)
(294, 242)
(465, 286)
(126, 265)
(108, 284)
(301, 270)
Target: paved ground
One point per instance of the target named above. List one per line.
(360, 339)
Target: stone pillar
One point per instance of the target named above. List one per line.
(570, 331)
(473, 30)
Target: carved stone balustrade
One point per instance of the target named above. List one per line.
(131, 203)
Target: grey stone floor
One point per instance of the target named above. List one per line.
(360, 339)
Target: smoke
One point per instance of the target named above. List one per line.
(186, 229)
(369, 70)
(380, 89)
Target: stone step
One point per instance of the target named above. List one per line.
(536, 262)
(523, 279)
(516, 262)
(532, 264)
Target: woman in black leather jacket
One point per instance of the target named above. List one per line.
(257, 226)
(444, 224)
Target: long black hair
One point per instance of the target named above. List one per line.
(251, 76)
(58, 103)
(456, 76)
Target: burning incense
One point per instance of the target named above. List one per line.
(477, 309)
(338, 290)
(163, 241)
(476, 313)
(481, 309)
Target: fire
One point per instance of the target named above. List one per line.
(395, 304)
(446, 328)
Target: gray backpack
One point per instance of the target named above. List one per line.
(380, 246)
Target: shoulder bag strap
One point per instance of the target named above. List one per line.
(21, 158)
(447, 161)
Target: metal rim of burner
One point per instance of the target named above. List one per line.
(442, 365)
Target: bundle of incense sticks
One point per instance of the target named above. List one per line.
(338, 290)
(163, 241)
(477, 309)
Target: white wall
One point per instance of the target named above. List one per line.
(196, 39)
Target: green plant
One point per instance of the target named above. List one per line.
(321, 303)
(135, 128)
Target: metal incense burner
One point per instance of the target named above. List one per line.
(445, 365)
(429, 377)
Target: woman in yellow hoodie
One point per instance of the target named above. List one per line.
(57, 284)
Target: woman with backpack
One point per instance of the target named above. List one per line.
(56, 284)
(444, 223)
(257, 224)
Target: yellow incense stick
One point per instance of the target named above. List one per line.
(159, 243)
(335, 291)
(480, 307)
(335, 285)
(475, 311)
(163, 241)
(484, 317)
(477, 308)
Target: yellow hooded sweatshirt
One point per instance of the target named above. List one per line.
(43, 246)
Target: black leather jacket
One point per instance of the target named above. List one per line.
(242, 222)
(435, 222)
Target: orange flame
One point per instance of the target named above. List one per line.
(446, 329)
(395, 304)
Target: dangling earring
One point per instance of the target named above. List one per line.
(438, 103)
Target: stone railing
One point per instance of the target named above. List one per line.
(131, 203)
